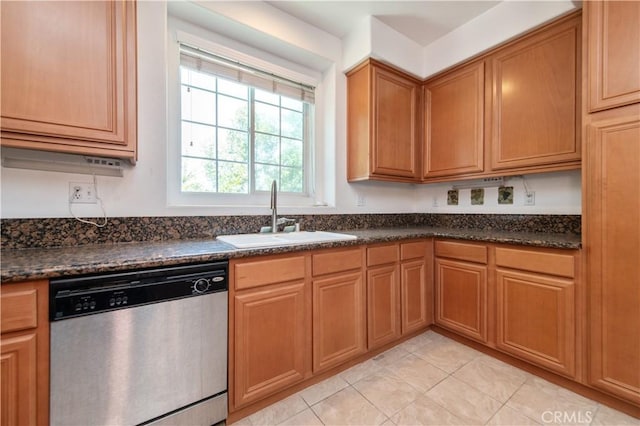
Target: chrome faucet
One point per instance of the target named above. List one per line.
(274, 207)
(275, 222)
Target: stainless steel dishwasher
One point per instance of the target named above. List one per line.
(142, 347)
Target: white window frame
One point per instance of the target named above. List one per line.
(175, 196)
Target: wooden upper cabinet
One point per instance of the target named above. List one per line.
(454, 123)
(612, 30)
(536, 84)
(69, 77)
(382, 114)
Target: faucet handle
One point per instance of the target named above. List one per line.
(283, 220)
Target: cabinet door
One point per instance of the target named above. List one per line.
(24, 391)
(612, 179)
(461, 296)
(416, 308)
(536, 103)
(270, 335)
(338, 319)
(18, 391)
(613, 53)
(395, 144)
(69, 76)
(536, 319)
(454, 123)
(383, 305)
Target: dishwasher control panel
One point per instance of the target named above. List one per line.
(72, 297)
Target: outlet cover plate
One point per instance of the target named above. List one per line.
(82, 193)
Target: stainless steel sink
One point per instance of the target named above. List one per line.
(283, 239)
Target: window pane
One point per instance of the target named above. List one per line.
(219, 152)
(198, 140)
(267, 149)
(265, 175)
(233, 178)
(267, 118)
(292, 124)
(198, 105)
(291, 104)
(198, 175)
(292, 180)
(291, 152)
(232, 113)
(232, 88)
(198, 79)
(267, 97)
(233, 145)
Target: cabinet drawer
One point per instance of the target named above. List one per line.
(413, 250)
(268, 271)
(463, 251)
(19, 310)
(559, 264)
(336, 261)
(379, 255)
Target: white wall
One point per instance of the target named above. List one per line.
(142, 190)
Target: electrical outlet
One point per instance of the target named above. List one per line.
(82, 193)
(361, 200)
(530, 198)
(434, 202)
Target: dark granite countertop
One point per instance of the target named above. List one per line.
(43, 263)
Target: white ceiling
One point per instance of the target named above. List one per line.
(421, 21)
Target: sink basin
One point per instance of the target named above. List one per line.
(283, 239)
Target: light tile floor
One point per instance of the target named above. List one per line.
(433, 380)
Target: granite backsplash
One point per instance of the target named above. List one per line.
(66, 232)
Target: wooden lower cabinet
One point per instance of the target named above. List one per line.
(461, 288)
(461, 297)
(270, 322)
(339, 312)
(536, 319)
(383, 305)
(416, 285)
(383, 294)
(24, 358)
(270, 336)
